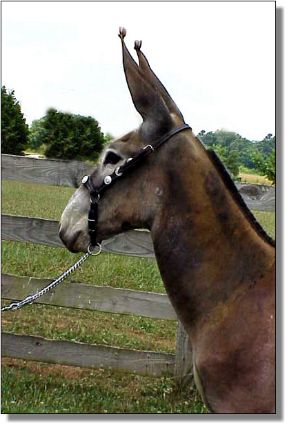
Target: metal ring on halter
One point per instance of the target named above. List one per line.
(96, 200)
(117, 173)
(91, 248)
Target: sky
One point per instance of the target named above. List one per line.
(217, 60)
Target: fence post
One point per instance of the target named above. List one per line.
(183, 357)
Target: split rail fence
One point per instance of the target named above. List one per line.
(80, 295)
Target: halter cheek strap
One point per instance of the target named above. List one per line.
(92, 222)
(93, 211)
(127, 166)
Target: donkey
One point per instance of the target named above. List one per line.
(216, 262)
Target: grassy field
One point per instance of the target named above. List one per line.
(254, 179)
(35, 387)
(30, 387)
(249, 176)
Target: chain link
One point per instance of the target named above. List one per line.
(15, 305)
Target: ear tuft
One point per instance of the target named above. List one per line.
(138, 45)
(122, 33)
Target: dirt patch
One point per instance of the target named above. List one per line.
(258, 197)
(250, 190)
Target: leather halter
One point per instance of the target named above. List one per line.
(127, 166)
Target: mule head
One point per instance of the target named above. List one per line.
(132, 202)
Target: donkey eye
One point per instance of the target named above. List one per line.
(112, 158)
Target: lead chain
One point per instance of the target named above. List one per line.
(15, 305)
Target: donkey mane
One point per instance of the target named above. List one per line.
(237, 196)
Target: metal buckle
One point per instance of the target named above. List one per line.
(149, 146)
(95, 201)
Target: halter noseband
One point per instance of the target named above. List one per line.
(128, 165)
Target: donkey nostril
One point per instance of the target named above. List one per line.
(61, 234)
(126, 226)
(70, 240)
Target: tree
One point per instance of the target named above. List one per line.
(266, 165)
(266, 146)
(36, 133)
(201, 133)
(108, 138)
(236, 145)
(69, 136)
(208, 138)
(229, 159)
(224, 144)
(14, 130)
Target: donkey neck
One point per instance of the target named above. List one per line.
(205, 246)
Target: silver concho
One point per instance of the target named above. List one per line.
(85, 179)
(107, 180)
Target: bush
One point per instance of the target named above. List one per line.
(67, 136)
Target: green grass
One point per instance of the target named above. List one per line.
(267, 220)
(34, 200)
(29, 387)
(109, 269)
(119, 330)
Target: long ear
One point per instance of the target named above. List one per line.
(150, 76)
(146, 99)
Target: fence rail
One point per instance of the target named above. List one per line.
(87, 355)
(45, 171)
(90, 297)
(45, 232)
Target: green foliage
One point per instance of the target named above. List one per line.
(14, 130)
(229, 158)
(108, 138)
(68, 136)
(267, 145)
(266, 165)
(37, 134)
(236, 151)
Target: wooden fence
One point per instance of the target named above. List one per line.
(80, 295)
(70, 173)
(83, 296)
